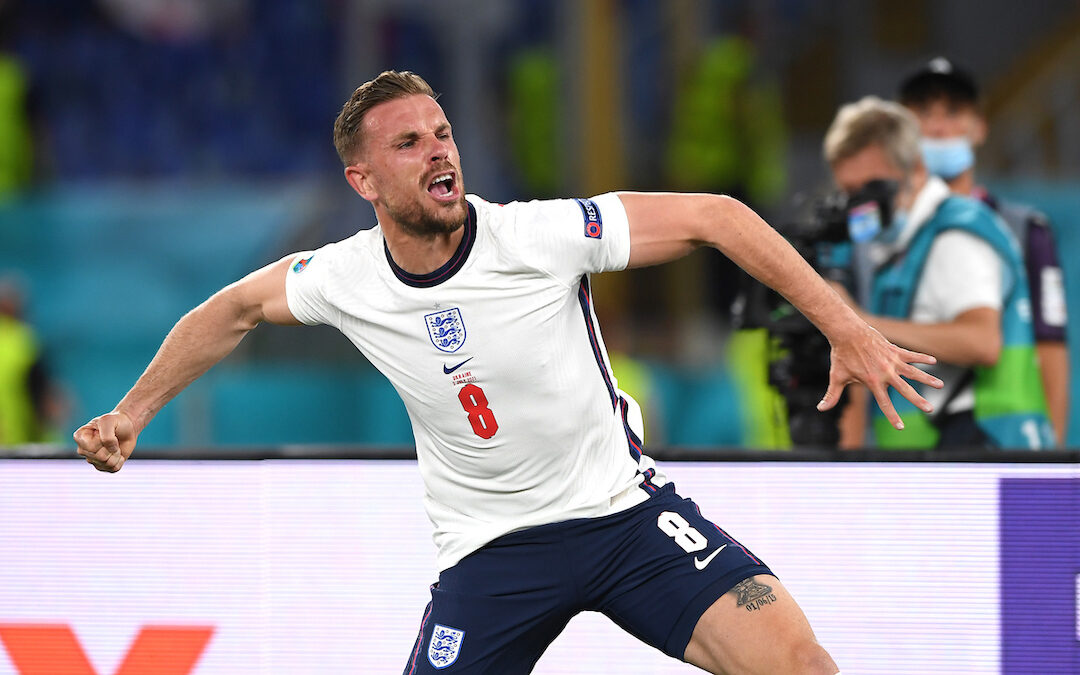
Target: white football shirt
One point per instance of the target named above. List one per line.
(517, 418)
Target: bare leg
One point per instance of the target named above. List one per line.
(757, 627)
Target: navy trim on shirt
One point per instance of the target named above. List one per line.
(456, 262)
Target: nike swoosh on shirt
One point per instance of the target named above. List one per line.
(702, 564)
(452, 369)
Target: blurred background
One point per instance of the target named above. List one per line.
(153, 151)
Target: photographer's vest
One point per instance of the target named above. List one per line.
(1009, 403)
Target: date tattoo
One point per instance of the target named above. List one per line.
(752, 595)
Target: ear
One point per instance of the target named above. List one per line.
(358, 176)
(917, 179)
(978, 130)
(919, 172)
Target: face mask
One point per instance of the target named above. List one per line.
(947, 157)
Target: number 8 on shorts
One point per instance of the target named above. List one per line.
(684, 534)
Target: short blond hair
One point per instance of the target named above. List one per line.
(388, 86)
(873, 121)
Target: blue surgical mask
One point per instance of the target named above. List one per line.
(947, 157)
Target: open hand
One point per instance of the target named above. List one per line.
(871, 359)
(107, 441)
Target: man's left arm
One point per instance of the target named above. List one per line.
(667, 226)
(1049, 316)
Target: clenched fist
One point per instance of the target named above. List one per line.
(107, 441)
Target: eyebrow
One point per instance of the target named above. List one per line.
(413, 135)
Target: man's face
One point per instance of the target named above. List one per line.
(870, 163)
(942, 118)
(410, 166)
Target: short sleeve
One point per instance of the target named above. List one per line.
(570, 237)
(962, 272)
(305, 288)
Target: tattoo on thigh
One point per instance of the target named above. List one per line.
(752, 595)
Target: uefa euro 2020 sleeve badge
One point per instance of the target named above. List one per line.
(445, 646)
(446, 329)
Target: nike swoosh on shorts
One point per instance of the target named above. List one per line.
(702, 564)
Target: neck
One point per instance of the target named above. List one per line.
(964, 183)
(916, 181)
(416, 253)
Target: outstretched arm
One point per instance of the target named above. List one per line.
(204, 336)
(664, 227)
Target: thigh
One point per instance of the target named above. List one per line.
(494, 612)
(757, 627)
(671, 566)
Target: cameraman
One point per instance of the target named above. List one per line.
(947, 279)
(945, 100)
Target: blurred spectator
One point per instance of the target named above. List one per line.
(727, 129)
(948, 280)
(29, 403)
(533, 111)
(166, 88)
(945, 98)
(763, 413)
(727, 135)
(16, 140)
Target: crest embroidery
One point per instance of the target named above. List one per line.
(446, 329)
(445, 646)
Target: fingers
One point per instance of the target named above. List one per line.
(881, 395)
(913, 373)
(831, 397)
(880, 368)
(106, 427)
(904, 388)
(103, 460)
(915, 357)
(113, 463)
(86, 438)
(100, 459)
(98, 444)
(907, 391)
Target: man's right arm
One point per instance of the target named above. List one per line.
(956, 310)
(204, 336)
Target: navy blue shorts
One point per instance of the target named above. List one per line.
(653, 569)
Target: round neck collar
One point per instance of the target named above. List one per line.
(447, 270)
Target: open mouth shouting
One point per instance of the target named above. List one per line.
(443, 186)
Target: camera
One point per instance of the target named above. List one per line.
(799, 355)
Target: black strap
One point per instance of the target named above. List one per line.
(951, 391)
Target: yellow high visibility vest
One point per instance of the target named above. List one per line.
(18, 352)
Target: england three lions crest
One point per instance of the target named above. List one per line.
(445, 646)
(446, 329)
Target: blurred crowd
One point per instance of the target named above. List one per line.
(116, 89)
(107, 106)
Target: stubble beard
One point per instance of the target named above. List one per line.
(414, 219)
